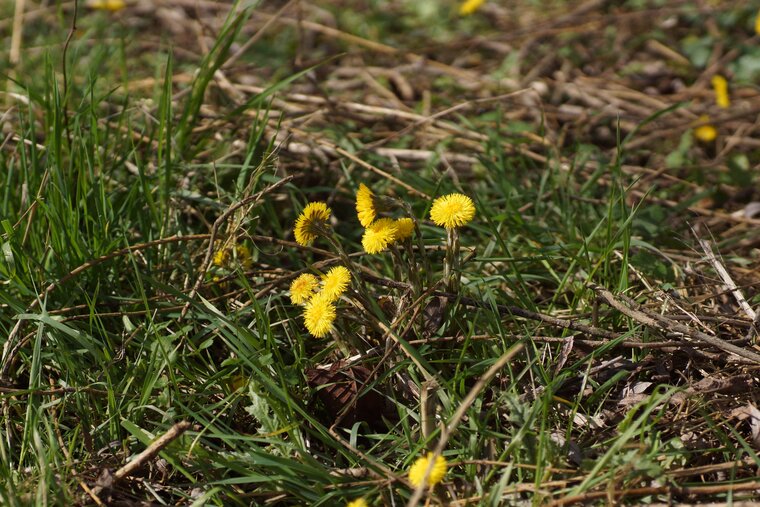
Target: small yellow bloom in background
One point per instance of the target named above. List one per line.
(706, 132)
(302, 288)
(238, 381)
(309, 224)
(359, 502)
(106, 5)
(470, 6)
(405, 228)
(418, 469)
(335, 282)
(720, 85)
(453, 210)
(243, 254)
(319, 315)
(757, 23)
(365, 205)
(221, 257)
(379, 235)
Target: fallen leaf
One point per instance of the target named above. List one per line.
(341, 389)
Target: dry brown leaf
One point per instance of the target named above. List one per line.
(340, 387)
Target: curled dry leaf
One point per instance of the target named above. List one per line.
(341, 389)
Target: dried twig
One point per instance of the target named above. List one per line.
(654, 320)
(723, 273)
(148, 454)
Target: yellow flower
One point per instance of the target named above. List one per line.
(359, 502)
(365, 205)
(107, 5)
(335, 282)
(453, 210)
(238, 381)
(243, 254)
(418, 469)
(720, 85)
(310, 223)
(319, 315)
(221, 257)
(302, 288)
(405, 228)
(757, 23)
(705, 132)
(379, 235)
(470, 6)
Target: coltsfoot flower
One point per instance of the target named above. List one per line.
(359, 502)
(319, 315)
(404, 228)
(311, 222)
(453, 210)
(379, 235)
(720, 86)
(335, 282)
(470, 6)
(243, 254)
(303, 288)
(223, 258)
(418, 469)
(705, 133)
(106, 5)
(365, 205)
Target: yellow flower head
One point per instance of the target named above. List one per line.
(705, 133)
(243, 254)
(365, 205)
(319, 315)
(335, 282)
(757, 23)
(302, 288)
(418, 469)
(311, 222)
(404, 228)
(470, 6)
(720, 85)
(107, 5)
(221, 257)
(359, 502)
(453, 210)
(379, 235)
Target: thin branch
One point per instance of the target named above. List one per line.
(148, 454)
(654, 320)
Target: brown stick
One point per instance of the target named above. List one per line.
(148, 454)
(651, 319)
(727, 281)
